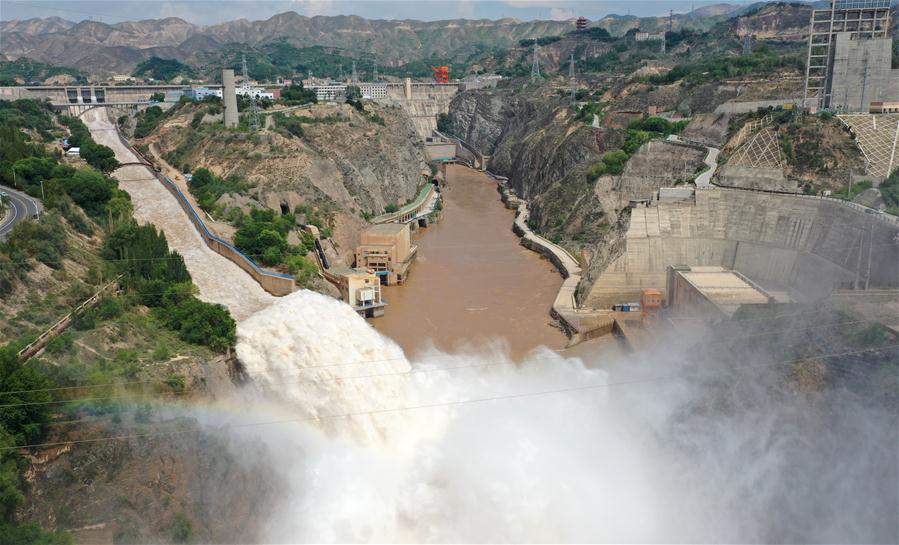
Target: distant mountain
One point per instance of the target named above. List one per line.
(102, 49)
(98, 47)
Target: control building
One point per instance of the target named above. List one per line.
(711, 292)
(849, 56)
(387, 250)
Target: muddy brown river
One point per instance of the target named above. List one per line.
(473, 284)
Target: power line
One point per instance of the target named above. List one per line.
(428, 405)
(367, 362)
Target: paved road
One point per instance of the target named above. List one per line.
(22, 207)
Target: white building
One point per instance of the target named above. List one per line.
(337, 91)
(258, 92)
(199, 93)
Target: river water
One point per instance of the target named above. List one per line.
(473, 283)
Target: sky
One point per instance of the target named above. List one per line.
(204, 12)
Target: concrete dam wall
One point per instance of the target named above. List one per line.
(803, 246)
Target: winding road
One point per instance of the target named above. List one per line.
(21, 206)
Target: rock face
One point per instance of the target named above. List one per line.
(345, 163)
(151, 489)
(546, 153)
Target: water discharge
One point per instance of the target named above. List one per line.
(474, 447)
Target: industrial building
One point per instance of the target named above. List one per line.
(361, 289)
(257, 92)
(387, 250)
(849, 56)
(332, 91)
(711, 292)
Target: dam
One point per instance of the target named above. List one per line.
(803, 246)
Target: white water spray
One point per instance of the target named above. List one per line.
(469, 448)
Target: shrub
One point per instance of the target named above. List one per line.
(303, 270)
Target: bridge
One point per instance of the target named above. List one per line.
(65, 95)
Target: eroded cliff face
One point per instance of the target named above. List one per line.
(545, 152)
(358, 162)
(536, 141)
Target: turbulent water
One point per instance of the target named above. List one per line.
(472, 447)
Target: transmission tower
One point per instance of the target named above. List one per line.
(535, 68)
(254, 111)
(571, 78)
(374, 72)
(355, 75)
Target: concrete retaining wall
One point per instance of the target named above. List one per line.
(274, 283)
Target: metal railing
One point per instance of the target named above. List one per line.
(272, 282)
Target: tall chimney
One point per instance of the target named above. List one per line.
(229, 97)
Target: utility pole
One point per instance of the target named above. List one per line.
(571, 78)
(43, 198)
(254, 111)
(535, 67)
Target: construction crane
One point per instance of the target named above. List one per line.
(441, 74)
(254, 111)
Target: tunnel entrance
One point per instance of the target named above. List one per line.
(285, 209)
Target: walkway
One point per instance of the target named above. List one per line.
(704, 180)
(218, 279)
(580, 324)
(422, 202)
(21, 206)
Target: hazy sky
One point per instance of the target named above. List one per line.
(208, 12)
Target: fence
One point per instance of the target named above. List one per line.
(275, 283)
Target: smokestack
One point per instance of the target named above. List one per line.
(229, 97)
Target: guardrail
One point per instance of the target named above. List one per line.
(275, 283)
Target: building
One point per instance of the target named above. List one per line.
(581, 23)
(336, 91)
(373, 91)
(884, 108)
(387, 250)
(643, 36)
(200, 93)
(711, 292)
(849, 56)
(257, 92)
(121, 78)
(361, 289)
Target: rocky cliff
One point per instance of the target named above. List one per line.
(546, 153)
(342, 162)
(552, 158)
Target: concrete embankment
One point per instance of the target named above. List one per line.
(579, 324)
(219, 279)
